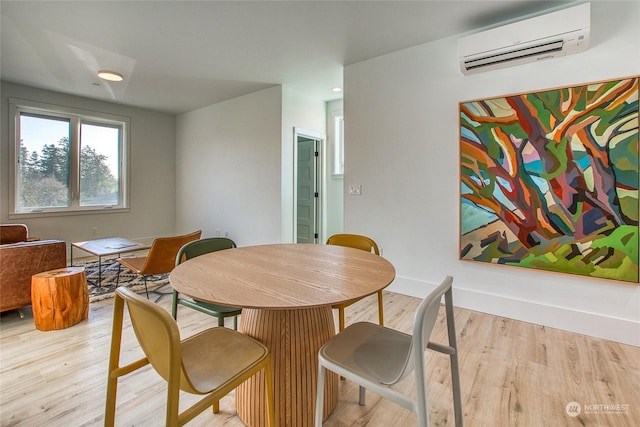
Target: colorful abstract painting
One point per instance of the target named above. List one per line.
(549, 180)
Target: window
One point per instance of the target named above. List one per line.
(67, 160)
(338, 143)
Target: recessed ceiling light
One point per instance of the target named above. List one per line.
(337, 89)
(112, 76)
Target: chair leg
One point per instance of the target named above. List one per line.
(145, 286)
(161, 294)
(362, 396)
(118, 275)
(220, 321)
(235, 323)
(455, 383)
(216, 406)
(380, 309)
(115, 371)
(174, 305)
(268, 385)
(114, 362)
(173, 403)
(173, 390)
(455, 372)
(341, 325)
(320, 394)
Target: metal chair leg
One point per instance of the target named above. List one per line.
(161, 294)
(455, 373)
(144, 278)
(118, 276)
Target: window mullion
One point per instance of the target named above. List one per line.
(74, 161)
(17, 165)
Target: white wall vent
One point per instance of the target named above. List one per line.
(555, 34)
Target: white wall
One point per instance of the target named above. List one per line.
(152, 179)
(235, 164)
(228, 167)
(402, 146)
(335, 183)
(302, 112)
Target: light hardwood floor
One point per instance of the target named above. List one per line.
(512, 374)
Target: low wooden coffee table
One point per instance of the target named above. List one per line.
(105, 247)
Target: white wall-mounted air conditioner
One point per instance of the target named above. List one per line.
(555, 34)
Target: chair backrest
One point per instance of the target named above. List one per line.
(203, 246)
(423, 324)
(13, 233)
(162, 255)
(158, 336)
(427, 313)
(354, 241)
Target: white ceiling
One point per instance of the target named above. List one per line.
(178, 56)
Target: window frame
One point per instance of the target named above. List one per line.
(76, 117)
(337, 142)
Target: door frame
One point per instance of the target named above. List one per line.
(320, 177)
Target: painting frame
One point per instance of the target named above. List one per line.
(549, 180)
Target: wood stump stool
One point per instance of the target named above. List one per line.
(59, 298)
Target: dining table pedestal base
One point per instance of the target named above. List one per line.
(293, 337)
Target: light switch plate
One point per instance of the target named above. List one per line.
(355, 190)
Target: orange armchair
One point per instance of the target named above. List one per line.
(19, 261)
(13, 233)
(161, 258)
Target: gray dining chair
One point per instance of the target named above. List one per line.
(376, 357)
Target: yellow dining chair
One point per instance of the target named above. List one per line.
(376, 358)
(211, 363)
(358, 242)
(161, 258)
(192, 250)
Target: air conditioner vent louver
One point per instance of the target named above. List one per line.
(526, 52)
(553, 35)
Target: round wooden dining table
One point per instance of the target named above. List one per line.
(286, 292)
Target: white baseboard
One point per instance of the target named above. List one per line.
(624, 331)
